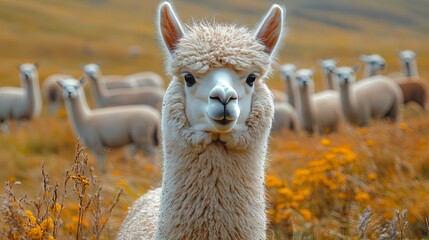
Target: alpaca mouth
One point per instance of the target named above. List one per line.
(224, 121)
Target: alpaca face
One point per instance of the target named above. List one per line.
(304, 79)
(408, 65)
(288, 71)
(91, 70)
(218, 65)
(328, 65)
(220, 100)
(407, 56)
(28, 72)
(345, 75)
(70, 88)
(374, 63)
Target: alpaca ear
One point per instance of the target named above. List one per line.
(363, 57)
(169, 26)
(36, 64)
(60, 82)
(270, 29)
(82, 81)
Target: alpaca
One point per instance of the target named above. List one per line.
(279, 96)
(414, 88)
(138, 126)
(135, 80)
(216, 123)
(285, 117)
(52, 92)
(328, 66)
(370, 98)
(288, 73)
(320, 112)
(151, 96)
(374, 63)
(21, 103)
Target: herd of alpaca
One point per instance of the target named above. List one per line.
(213, 121)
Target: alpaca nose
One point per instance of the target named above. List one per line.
(223, 94)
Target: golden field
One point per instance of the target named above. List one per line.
(319, 187)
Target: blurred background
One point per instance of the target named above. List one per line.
(121, 36)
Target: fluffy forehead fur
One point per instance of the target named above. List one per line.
(207, 45)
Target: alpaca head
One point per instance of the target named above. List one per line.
(407, 56)
(345, 75)
(304, 80)
(218, 67)
(71, 88)
(328, 65)
(288, 71)
(408, 64)
(374, 63)
(91, 70)
(28, 72)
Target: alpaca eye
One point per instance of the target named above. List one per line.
(250, 79)
(189, 79)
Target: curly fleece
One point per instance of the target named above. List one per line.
(207, 46)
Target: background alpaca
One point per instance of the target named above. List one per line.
(414, 89)
(288, 73)
(52, 92)
(318, 112)
(371, 98)
(114, 127)
(151, 96)
(374, 63)
(215, 127)
(21, 103)
(328, 66)
(285, 117)
(135, 80)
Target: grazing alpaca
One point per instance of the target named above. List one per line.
(135, 80)
(52, 92)
(103, 97)
(318, 112)
(371, 98)
(216, 122)
(328, 66)
(288, 73)
(285, 117)
(21, 103)
(374, 63)
(138, 126)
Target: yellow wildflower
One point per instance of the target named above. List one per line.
(305, 213)
(273, 181)
(47, 225)
(362, 197)
(370, 142)
(286, 192)
(31, 217)
(372, 176)
(35, 233)
(325, 142)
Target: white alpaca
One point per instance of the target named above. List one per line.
(21, 103)
(370, 98)
(52, 92)
(135, 80)
(103, 97)
(216, 122)
(288, 73)
(138, 126)
(328, 66)
(285, 117)
(320, 112)
(374, 64)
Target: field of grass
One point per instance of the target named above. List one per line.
(318, 187)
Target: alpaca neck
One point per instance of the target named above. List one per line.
(370, 70)
(306, 110)
(289, 91)
(98, 90)
(215, 193)
(33, 97)
(78, 111)
(348, 104)
(410, 69)
(328, 79)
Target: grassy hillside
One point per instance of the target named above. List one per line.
(382, 170)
